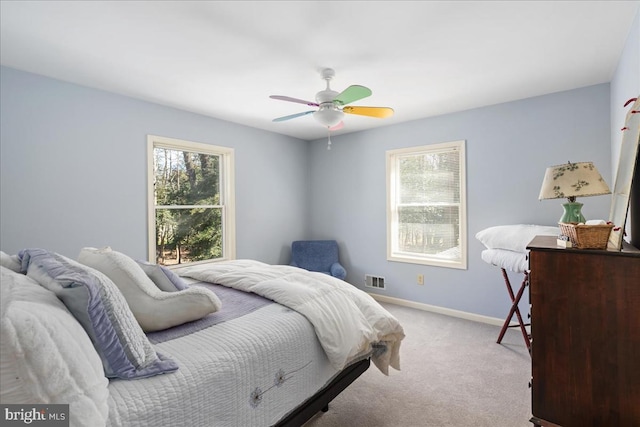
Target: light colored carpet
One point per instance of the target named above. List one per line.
(453, 374)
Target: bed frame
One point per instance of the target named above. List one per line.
(320, 401)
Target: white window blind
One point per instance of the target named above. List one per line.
(426, 221)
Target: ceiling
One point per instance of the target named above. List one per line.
(223, 59)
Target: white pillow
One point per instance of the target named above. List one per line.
(10, 261)
(45, 354)
(514, 237)
(153, 309)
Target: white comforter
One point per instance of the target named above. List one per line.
(348, 322)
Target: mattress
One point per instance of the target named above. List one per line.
(249, 370)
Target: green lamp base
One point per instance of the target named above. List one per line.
(572, 212)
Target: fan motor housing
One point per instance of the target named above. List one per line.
(327, 95)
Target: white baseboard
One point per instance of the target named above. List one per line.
(441, 310)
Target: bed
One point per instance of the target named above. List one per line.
(281, 345)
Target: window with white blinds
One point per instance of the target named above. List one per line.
(426, 213)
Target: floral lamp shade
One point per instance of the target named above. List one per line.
(569, 181)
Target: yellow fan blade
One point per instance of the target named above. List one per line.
(379, 112)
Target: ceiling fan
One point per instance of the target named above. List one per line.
(332, 105)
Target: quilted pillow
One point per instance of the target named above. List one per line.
(513, 237)
(101, 309)
(45, 355)
(155, 310)
(165, 279)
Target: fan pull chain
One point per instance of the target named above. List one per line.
(329, 140)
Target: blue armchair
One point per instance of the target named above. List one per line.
(318, 255)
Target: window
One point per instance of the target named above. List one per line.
(191, 201)
(426, 213)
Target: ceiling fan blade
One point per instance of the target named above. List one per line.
(379, 112)
(290, 99)
(292, 116)
(337, 127)
(351, 94)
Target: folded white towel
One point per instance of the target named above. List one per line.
(514, 237)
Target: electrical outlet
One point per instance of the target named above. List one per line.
(420, 279)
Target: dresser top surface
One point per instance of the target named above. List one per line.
(549, 243)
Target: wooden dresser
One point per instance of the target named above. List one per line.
(585, 328)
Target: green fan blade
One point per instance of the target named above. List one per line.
(351, 94)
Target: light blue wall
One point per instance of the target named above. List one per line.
(60, 144)
(509, 146)
(73, 170)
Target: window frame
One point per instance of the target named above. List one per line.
(393, 253)
(227, 193)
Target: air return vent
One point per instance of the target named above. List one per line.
(371, 281)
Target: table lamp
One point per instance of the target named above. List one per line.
(569, 181)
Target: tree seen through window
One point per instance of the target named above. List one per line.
(188, 209)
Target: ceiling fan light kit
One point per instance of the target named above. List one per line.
(332, 105)
(328, 115)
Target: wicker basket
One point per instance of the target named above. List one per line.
(586, 236)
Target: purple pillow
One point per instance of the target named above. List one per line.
(165, 279)
(99, 306)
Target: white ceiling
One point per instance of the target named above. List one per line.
(223, 59)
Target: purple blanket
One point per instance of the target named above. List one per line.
(235, 304)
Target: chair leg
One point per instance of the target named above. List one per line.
(515, 300)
